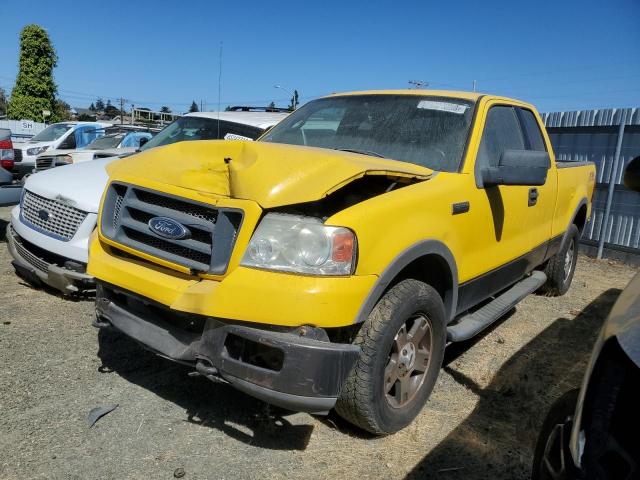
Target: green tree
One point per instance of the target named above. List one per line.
(165, 109)
(61, 111)
(111, 111)
(272, 105)
(99, 105)
(35, 89)
(3, 102)
(193, 107)
(92, 107)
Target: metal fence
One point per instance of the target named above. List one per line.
(611, 139)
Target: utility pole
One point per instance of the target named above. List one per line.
(419, 83)
(201, 105)
(121, 110)
(133, 107)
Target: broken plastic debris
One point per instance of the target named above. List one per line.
(98, 412)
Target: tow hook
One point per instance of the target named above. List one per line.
(208, 371)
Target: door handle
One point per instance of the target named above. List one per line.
(533, 196)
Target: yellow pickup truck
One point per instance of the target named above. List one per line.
(328, 264)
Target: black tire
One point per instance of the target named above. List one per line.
(552, 458)
(369, 394)
(561, 267)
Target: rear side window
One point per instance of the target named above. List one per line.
(530, 125)
(501, 132)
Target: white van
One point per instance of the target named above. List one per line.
(59, 136)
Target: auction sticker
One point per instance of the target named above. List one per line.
(235, 136)
(443, 106)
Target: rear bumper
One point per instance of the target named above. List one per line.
(32, 266)
(299, 370)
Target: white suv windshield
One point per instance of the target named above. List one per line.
(200, 128)
(424, 130)
(52, 132)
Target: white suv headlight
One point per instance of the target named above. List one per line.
(36, 150)
(293, 243)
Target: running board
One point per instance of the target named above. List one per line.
(473, 323)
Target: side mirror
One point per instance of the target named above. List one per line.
(518, 167)
(143, 140)
(632, 175)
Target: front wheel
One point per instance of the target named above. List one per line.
(561, 267)
(402, 344)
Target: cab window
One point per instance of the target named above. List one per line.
(501, 132)
(532, 129)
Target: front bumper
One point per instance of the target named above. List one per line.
(31, 264)
(299, 370)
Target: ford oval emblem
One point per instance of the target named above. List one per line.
(168, 228)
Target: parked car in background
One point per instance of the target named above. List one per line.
(330, 262)
(60, 136)
(116, 141)
(49, 232)
(592, 433)
(9, 190)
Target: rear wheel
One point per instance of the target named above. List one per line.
(402, 345)
(561, 267)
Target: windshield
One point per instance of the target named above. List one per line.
(199, 128)
(52, 132)
(108, 141)
(424, 130)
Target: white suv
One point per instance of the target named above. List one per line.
(49, 232)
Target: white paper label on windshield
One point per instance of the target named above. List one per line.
(234, 136)
(443, 106)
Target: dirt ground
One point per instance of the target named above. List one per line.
(481, 421)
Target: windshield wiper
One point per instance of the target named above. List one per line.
(361, 152)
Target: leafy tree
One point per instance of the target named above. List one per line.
(99, 105)
(111, 111)
(61, 111)
(193, 107)
(92, 107)
(83, 117)
(35, 89)
(108, 103)
(294, 101)
(166, 109)
(3, 101)
(272, 105)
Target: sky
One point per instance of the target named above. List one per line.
(559, 55)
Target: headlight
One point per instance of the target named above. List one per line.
(292, 243)
(36, 150)
(64, 159)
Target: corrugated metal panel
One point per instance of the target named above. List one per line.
(592, 118)
(574, 139)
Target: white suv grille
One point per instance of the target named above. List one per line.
(51, 217)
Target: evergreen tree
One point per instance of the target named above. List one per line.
(193, 107)
(35, 89)
(92, 107)
(166, 109)
(99, 105)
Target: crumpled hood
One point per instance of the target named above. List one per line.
(270, 174)
(79, 185)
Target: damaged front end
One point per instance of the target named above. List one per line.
(294, 368)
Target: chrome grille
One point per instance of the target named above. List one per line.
(128, 209)
(33, 260)
(51, 217)
(44, 163)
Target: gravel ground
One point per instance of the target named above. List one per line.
(481, 421)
